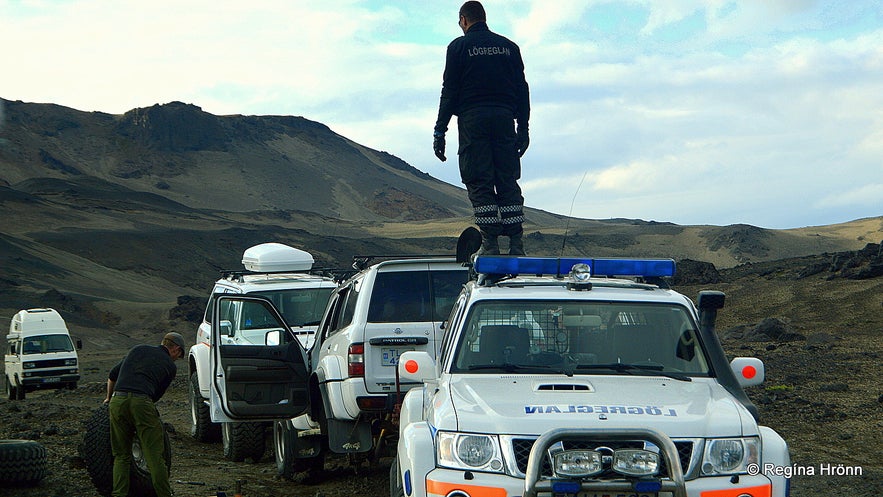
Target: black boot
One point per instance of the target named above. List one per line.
(516, 245)
(489, 245)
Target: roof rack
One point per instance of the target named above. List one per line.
(361, 262)
(238, 274)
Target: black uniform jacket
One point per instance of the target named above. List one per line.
(483, 69)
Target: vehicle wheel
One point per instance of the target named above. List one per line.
(288, 465)
(20, 392)
(201, 427)
(11, 393)
(97, 455)
(22, 462)
(395, 480)
(243, 441)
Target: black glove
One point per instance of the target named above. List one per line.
(522, 140)
(438, 146)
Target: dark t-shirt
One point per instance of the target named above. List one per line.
(146, 369)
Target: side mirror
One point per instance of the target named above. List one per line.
(79, 344)
(273, 337)
(416, 365)
(749, 371)
(226, 328)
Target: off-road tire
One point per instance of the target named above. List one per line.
(97, 455)
(201, 427)
(287, 465)
(395, 481)
(243, 441)
(22, 462)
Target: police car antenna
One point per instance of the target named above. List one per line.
(570, 214)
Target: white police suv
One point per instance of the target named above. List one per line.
(559, 376)
(341, 394)
(284, 276)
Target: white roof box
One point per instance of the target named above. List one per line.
(276, 258)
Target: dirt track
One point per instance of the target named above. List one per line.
(55, 418)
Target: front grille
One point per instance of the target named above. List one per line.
(521, 449)
(50, 363)
(52, 372)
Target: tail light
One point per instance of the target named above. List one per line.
(356, 360)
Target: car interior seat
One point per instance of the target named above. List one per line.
(503, 344)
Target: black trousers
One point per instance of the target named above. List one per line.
(490, 168)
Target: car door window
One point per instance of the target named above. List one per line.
(444, 288)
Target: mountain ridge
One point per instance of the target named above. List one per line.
(148, 205)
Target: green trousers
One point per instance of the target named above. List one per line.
(130, 417)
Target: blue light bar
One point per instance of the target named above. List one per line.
(561, 266)
(634, 267)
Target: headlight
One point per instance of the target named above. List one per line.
(577, 463)
(727, 456)
(70, 362)
(28, 365)
(635, 462)
(468, 451)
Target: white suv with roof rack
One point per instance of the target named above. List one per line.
(342, 394)
(560, 377)
(277, 272)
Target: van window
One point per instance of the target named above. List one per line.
(41, 344)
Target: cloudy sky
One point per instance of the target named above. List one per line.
(765, 112)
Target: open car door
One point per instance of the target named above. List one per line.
(259, 369)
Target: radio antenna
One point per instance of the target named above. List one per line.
(570, 214)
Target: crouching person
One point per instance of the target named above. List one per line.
(133, 386)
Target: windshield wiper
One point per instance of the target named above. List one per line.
(627, 368)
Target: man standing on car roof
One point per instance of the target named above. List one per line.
(133, 386)
(484, 86)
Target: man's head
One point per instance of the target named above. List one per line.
(174, 342)
(470, 13)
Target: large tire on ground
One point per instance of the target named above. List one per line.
(201, 427)
(243, 441)
(22, 462)
(288, 465)
(98, 457)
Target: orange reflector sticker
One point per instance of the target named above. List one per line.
(444, 488)
(761, 491)
(411, 366)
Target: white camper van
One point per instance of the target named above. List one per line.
(39, 353)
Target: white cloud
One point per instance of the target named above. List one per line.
(689, 111)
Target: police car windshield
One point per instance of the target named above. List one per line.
(579, 337)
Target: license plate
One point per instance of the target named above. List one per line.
(51, 380)
(390, 357)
